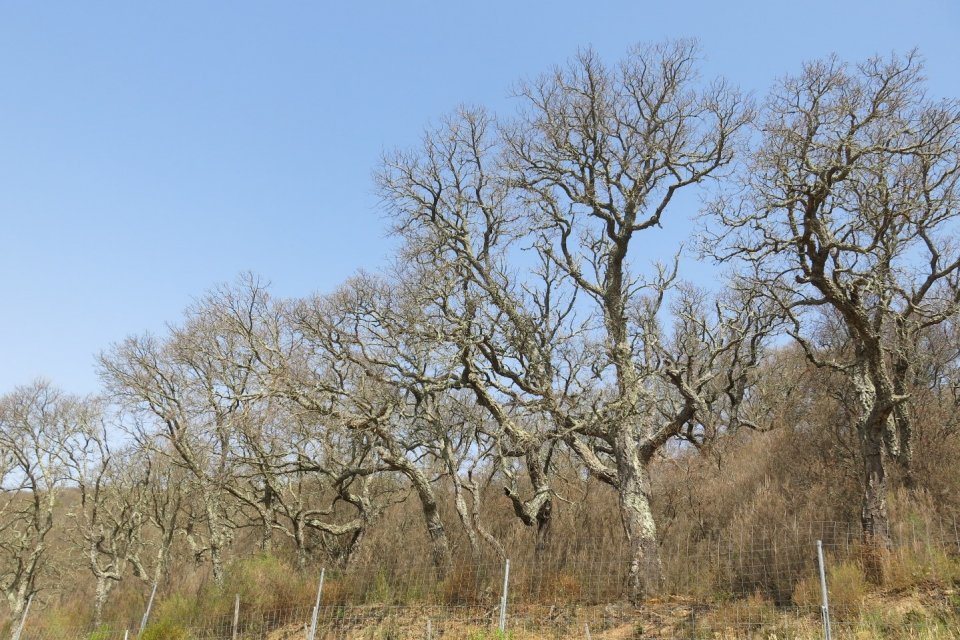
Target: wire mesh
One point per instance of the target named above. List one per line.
(757, 584)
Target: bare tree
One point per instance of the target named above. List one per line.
(508, 335)
(38, 426)
(181, 392)
(386, 379)
(293, 464)
(567, 347)
(849, 203)
(166, 488)
(110, 515)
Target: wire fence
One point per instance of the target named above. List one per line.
(757, 584)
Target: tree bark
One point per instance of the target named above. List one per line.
(353, 548)
(440, 546)
(874, 518)
(17, 600)
(216, 562)
(544, 530)
(269, 514)
(645, 573)
(300, 541)
(100, 599)
(902, 418)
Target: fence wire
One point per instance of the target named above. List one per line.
(758, 584)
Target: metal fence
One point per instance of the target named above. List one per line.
(799, 581)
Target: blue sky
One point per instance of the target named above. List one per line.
(151, 150)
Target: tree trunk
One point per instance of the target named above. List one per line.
(459, 501)
(464, 516)
(100, 599)
(544, 530)
(903, 420)
(17, 600)
(163, 556)
(874, 514)
(300, 541)
(266, 538)
(269, 517)
(216, 562)
(874, 518)
(645, 573)
(353, 547)
(442, 558)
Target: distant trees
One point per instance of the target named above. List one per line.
(110, 517)
(186, 396)
(40, 427)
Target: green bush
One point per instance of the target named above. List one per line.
(100, 634)
(165, 630)
(265, 583)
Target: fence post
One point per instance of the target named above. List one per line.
(146, 614)
(586, 631)
(126, 634)
(236, 615)
(23, 618)
(825, 606)
(316, 609)
(503, 599)
(429, 630)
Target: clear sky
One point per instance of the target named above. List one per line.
(151, 150)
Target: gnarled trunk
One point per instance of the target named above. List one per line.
(100, 598)
(440, 547)
(544, 529)
(873, 428)
(874, 518)
(645, 576)
(216, 562)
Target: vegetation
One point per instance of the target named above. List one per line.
(523, 384)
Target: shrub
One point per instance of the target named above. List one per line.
(165, 631)
(265, 583)
(461, 586)
(846, 584)
(751, 613)
(909, 568)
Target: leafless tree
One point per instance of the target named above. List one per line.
(506, 334)
(385, 385)
(308, 459)
(562, 343)
(179, 392)
(849, 203)
(167, 488)
(38, 426)
(110, 515)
